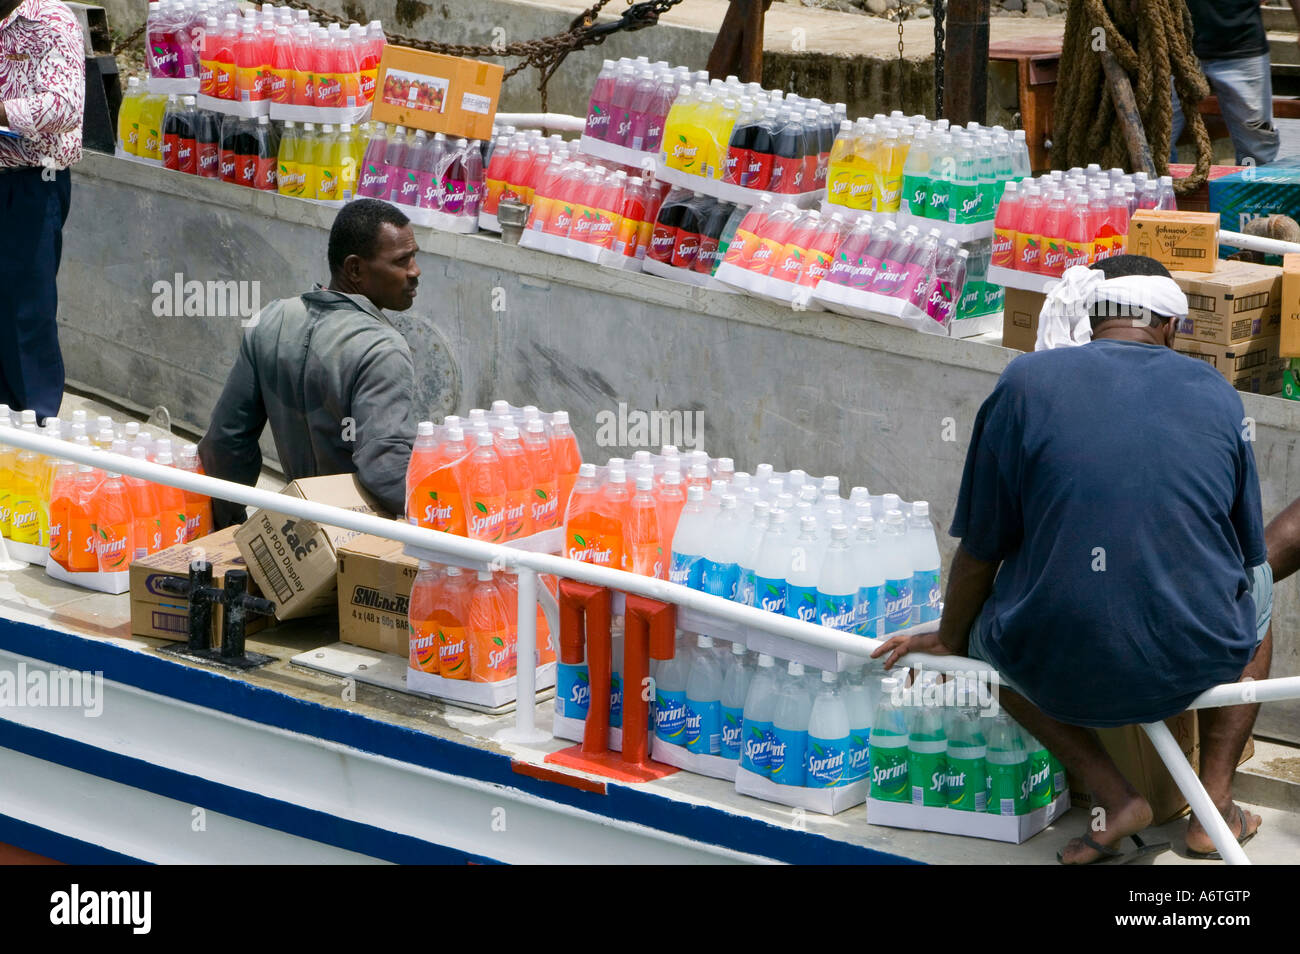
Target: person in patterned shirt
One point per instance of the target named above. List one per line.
(42, 96)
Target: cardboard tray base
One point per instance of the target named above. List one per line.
(113, 583)
(390, 672)
(27, 552)
(1015, 829)
(824, 801)
(714, 766)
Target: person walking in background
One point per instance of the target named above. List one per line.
(1232, 46)
(42, 99)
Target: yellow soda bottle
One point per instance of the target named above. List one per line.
(24, 506)
(328, 164)
(287, 164)
(862, 182)
(49, 468)
(151, 122)
(7, 455)
(672, 125)
(839, 173)
(349, 162)
(307, 161)
(887, 172)
(128, 118)
(720, 129)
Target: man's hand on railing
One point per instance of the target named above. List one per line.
(896, 647)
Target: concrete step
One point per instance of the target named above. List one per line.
(1278, 18)
(1271, 777)
(1283, 49)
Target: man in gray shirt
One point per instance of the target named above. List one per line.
(328, 370)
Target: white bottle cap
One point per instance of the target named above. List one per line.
(704, 642)
(828, 676)
(587, 470)
(808, 524)
(668, 450)
(560, 417)
(864, 521)
(484, 576)
(645, 483)
(483, 437)
(728, 501)
(785, 501)
(424, 429)
(695, 494)
(764, 659)
(794, 668)
(738, 649)
(920, 508)
(699, 470)
(455, 434)
(28, 417)
(839, 532)
(510, 432)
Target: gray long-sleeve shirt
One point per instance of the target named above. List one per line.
(335, 379)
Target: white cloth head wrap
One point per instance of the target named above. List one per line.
(1064, 322)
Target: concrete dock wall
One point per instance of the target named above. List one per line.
(880, 406)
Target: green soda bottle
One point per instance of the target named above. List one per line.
(927, 747)
(1008, 768)
(889, 768)
(1041, 791)
(967, 774)
(1059, 783)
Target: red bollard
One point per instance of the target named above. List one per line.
(585, 612)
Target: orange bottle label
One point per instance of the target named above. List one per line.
(453, 652)
(540, 218)
(281, 80)
(115, 546)
(765, 254)
(368, 78)
(424, 645)
(59, 531)
(223, 84)
(1004, 247)
(591, 546)
(817, 265)
(546, 507)
(790, 265)
(492, 653)
(250, 81)
(1027, 251)
(487, 518)
(584, 220)
(439, 504)
(517, 516)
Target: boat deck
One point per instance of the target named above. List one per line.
(347, 771)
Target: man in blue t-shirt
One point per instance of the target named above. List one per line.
(1112, 562)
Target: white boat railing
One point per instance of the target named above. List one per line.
(442, 547)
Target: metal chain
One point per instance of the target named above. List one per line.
(940, 14)
(902, 69)
(130, 39)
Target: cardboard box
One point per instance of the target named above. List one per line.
(1141, 765)
(374, 589)
(1020, 311)
(437, 93)
(295, 562)
(1273, 189)
(1254, 366)
(157, 613)
(1236, 303)
(1289, 308)
(1178, 240)
(1291, 379)
(1199, 201)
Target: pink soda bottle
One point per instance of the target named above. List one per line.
(620, 107)
(919, 269)
(820, 253)
(1051, 259)
(1005, 221)
(375, 172)
(657, 112)
(643, 96)
(849, 252)
(892, 271)
(949, 283)
(598, 105)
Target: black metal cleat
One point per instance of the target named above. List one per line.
(201, 594)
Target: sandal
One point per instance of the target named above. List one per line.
(1108, 855)
(1241, 839)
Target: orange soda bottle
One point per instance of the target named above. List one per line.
(585, 530)
(615, 499)
(143, 496)
(422, 618)
(171, 507)
(113, 525)
(82, 552)
(672, 498)
(198, 507)
(519, 484)
(62, 490)
(546, 488)
(439, 501)
(453, 618)
(564, 450)
(491, 641)
(423, 453)
(645, 541)
(485, 490)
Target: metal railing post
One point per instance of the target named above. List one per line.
(1195, 793)
(649, 629)
(525, 727)
(585, 617)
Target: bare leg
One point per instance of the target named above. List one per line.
(1224, 733)
(1282, 537)
(1125, 812)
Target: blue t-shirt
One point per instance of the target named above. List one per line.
(1115, 483)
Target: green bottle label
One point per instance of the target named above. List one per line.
(1040, 779)
(1060, 785)
(965, 782)
(1009, 787)
(889, 771)
(927, 766)
(964, 203)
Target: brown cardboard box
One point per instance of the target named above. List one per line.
(1184, 240)
(157, 613)
(1290, 306)
(374, 587)
(1141, 765)
(1253, 366)
(1020, 318)
(437, 93)
(295, 561)
(1236, 303)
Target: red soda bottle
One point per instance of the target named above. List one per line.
(1005, 223)
(772, 239)
(788, 267)
(817, 261)
(746, 240)
(1028, 247)
(1051, 260)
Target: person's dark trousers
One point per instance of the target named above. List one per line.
(33, 209)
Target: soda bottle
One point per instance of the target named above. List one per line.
(862, 182)
(788, 754)
(841, 168)
(248, 63)
(347, 69)
(723, 550)
(915, 194)
(281, 66)
(375, 171)
(869, 573)
(113, 525)
(171, 131)
(545, 494)
(859, 706)
(406, 189)
(198, 507)
(1008, 768)
(967, 771)
(519, 483)
(598, 106)
(372, 50)
(703, 731)
(619, 129)
(986, 174)
(949, 282)
(828, 754)
(737, 675)
(894, 552)
(62, 490)
(773, 237)
(128, 117)
(670, 680)
(645, 540)
(801, 581)
(657, 113)
(263, 154)
(186, 144)
(423, 622)
(890, 771)
(811, 151)
(787, 152)
(892, 270)
(207, 141)
(568, 459)
(887, 183)
(817, 261)
(826, 128)
(1020, 155)
(1009, 214)
(689, 541)
(495, 179)
(943, 170)
(173, 507)
(927, 748)
(640, 109)
(1029, 238)
(1053, 241)
(587, 534)
(1041, 774)
(1118, 219)
(918, 271)
(757, 715)
(492, 642)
